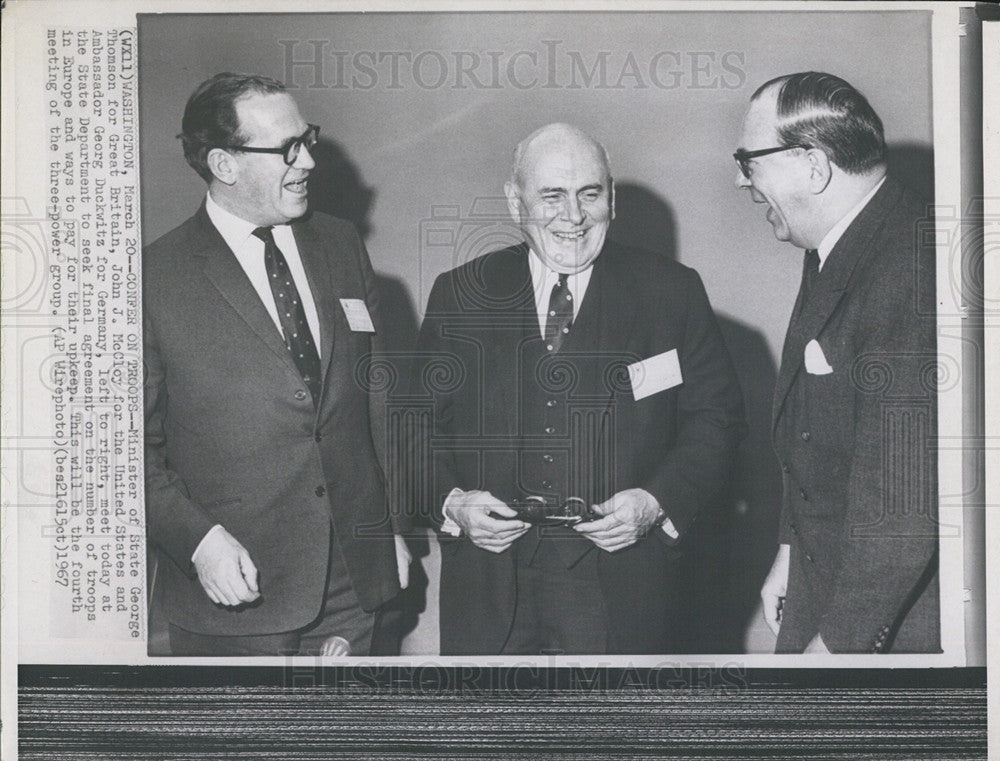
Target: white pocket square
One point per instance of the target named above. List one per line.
(815, 360)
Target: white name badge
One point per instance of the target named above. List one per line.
(655, 374)
(357, 315)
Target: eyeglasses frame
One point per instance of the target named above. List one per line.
(743, 157)
(286, 150)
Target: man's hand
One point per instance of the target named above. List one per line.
(772, 592)
(403, 560)
(225, 569)
(628, 515)
(470, 510)
(335, 646)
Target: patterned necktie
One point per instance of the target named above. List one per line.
(560, 315)
(291, 313)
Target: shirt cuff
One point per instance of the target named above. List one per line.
(215, 528)
(669, 530)
(449, 526)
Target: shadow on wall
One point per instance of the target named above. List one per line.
(913, 165)
(337, 188)
(730, 550)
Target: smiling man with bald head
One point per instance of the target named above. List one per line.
(587, 377)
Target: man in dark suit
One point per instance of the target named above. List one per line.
(854, 407)
(567, 367)
(264, 487)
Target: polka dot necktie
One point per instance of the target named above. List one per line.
(291, 313)
(560, 315)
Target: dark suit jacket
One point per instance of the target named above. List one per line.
(489, 392)
(233, 436)
(857, 445)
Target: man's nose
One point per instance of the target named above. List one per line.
(742, 181)
(573, 211)
(304, 160)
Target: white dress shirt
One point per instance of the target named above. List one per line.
(834, 233)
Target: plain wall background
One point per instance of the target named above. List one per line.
(406, 157)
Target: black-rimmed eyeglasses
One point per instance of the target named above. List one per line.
(743, 158)
(289, 151)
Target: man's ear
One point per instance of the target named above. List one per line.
(223, 165)
(510, 190)
(820, 170)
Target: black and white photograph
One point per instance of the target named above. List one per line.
(493, 382)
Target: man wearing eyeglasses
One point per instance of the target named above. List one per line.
(854, 407)
(264, 486)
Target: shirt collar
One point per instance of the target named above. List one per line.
(543, 279)
(235, 230)
(834, 233)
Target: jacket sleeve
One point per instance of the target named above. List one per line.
(710, 418)
(174, 521)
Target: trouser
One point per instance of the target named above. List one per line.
(559, 610)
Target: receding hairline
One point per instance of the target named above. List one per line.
(553, 131)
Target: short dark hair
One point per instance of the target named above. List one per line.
(826, 112)
(210, 119)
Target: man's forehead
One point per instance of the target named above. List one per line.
(567, 159)
(760, 122)
(268, 111)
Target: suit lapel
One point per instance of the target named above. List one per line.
(829, 287)
(609, 302)
(509, 283)
(222, 269)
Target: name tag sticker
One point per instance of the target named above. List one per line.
(357, 315)
(655, 374)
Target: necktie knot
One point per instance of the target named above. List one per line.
(812, 259)
(264, 233)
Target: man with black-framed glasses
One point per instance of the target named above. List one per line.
(265, 477)
(854, 408)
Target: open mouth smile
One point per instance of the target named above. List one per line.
(569, 236)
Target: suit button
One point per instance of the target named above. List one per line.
(809, 557)
(802, 493)
(320, 491)
(547, 457)
(551, 403)
(300, 395)
(546, 484)
(550, 429)
(785, 468)
(805, 435)
(794, 528)
(319, 437)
